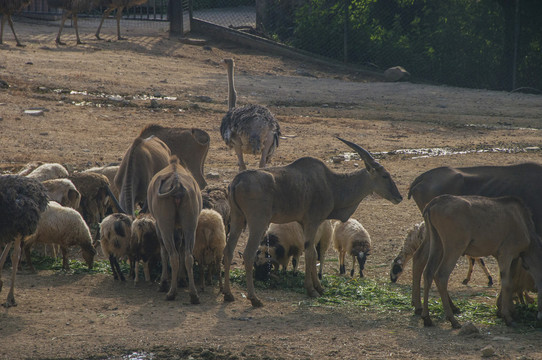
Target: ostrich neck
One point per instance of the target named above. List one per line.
(232, 95)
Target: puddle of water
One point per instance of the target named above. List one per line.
(138, 356)
(433, 152)
(113, 97)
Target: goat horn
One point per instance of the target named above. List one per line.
(365, 155)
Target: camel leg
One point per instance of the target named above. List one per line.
(119, 15)
(2, 22)
(64, 17)
(10, 22)
(74, 19)
(105, 14)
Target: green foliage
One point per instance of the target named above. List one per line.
(384, 297)
(457, 42)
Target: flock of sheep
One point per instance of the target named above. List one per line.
(302, 207)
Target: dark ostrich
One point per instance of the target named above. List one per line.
(249, 129)
(22, 200)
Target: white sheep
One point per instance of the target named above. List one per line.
(48, 171)
(144, 245)
(351, 238)
(63, 191)
(115, 237)
(63, 226)
(209, 244)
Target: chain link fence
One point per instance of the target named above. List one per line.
(493, 44)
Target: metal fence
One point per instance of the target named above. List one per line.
(481, 44)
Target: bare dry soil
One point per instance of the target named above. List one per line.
(96, 98)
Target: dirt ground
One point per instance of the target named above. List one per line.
(96, 98)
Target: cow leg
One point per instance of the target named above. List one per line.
(257, 232)
(312, 283)
(2, 22)
(418, 264)
(433, 261)
(441, 280)
(505, 269)
(480, 262)
(471, 261)
(146, 271)
(14, 265)
(173, 255)
(237, 225)
(189, 237)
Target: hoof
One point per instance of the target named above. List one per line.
(229, 297)
(256, 302)
(465, 282)
(417, 311)
(194, 299)
(427, 322)
(10, 303)
(170, 296)
(163, 286)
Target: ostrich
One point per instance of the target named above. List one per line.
(249, 129)
(22, 200)
(8, 7)
(120, 5)
(71, 7)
